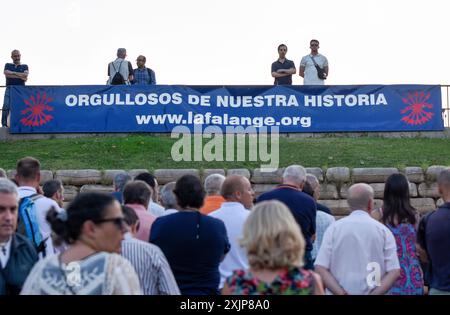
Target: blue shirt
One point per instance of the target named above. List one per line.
(19, 68)
(437, 238)
(302, 207)
(194, 245)
(144, 76)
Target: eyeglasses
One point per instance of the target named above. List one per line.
(314, 44)
(118, 222)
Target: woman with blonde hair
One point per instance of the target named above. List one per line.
(275, 249)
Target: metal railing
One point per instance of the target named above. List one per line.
(445, 92)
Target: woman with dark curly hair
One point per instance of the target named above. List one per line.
(194, 244)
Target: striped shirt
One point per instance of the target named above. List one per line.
(151, 266)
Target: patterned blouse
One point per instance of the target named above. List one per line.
(292, 281)
(98, 274)
(410, 281)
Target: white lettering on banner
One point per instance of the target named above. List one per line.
(123, 99)
(256, 101)
(241, 101)
(345, 100)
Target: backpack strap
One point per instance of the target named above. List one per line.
(120, 65)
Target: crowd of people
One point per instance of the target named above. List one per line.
(211, 238)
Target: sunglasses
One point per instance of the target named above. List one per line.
(118, 222)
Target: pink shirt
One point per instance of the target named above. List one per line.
(146, 220)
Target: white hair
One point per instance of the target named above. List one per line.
(168, 198)
(312, 180)
(213, 184)
(295, 173)
(8, 187)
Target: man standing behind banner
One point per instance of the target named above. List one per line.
(16, 74)
(142, 74)
(120, 71)
(314, 67)
(283, 69)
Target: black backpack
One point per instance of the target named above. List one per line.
(117, 78)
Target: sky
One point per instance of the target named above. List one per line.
(233, 42)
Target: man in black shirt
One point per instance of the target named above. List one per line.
(283, 69)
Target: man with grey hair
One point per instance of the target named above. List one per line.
(17, 254)
(435, 239)
(120, 180)
(120, 71)
(168, 199)
(302, 206)
(213, 199)
(358, 254)
(315, 186)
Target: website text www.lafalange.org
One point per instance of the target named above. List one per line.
(225, 120)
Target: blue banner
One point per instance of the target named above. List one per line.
(160, 108)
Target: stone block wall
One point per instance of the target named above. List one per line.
(334, 182)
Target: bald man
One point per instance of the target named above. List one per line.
(358, 254)
(238, 194)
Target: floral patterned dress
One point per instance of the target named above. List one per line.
(292, 281)
(410, 281)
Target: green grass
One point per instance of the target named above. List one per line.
(153, 152)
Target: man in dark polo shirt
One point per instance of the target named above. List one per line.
(302, 206)
(283, 69)
(16, 74)
(436, 239)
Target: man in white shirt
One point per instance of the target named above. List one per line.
(308, 70)
(358, 254)
(238, 194)
(28, 177)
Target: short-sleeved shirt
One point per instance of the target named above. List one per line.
(355, 247)
(194, 245)
(437, 238)
(302, 207)
(287, 64)
(18, 68)
(311, 77)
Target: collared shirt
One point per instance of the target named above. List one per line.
(169, 211)
(352, 246)
(211, 204)
(146, 220)
(151, 266)
(15, 68)
(155, 209)
(323, 221)
(311, 76)
(287, 64)
(43, 205)
(4, 256)
(233, 214)
(144, 76)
